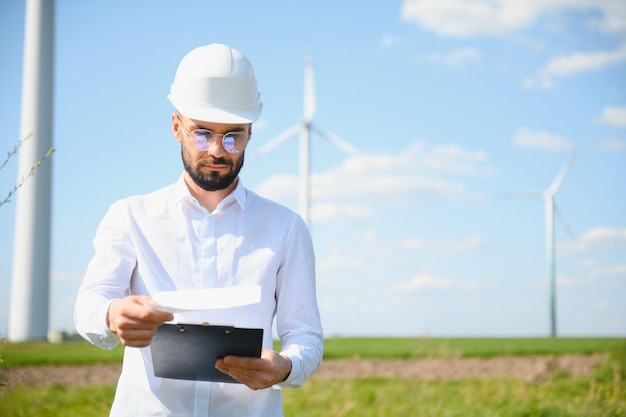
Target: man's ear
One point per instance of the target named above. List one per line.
(177, 128)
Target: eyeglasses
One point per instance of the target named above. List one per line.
(204, 139)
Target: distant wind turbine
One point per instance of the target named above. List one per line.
(305, 127)
(550, 211)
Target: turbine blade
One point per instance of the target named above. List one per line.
(561, 218)
(338, 142)
(561, 176)
(276, 141)
(309, 90)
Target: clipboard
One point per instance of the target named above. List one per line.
(189, 351)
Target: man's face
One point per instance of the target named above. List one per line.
(213, 169)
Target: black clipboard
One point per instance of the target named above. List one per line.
(189, 351)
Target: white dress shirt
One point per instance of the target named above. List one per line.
(166, 241)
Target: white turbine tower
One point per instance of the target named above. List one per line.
(550, 211)
(305, 127)
(28, 316)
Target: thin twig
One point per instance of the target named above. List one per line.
(30, 174)
(15, 149)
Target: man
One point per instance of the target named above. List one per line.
(204, 231)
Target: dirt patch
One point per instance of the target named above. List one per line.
(527, 368)
(71, 376)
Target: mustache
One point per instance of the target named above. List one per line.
(220, 161)
(215, 161)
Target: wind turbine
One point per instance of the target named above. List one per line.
(550, 211)
(305, 127)
(30, 281)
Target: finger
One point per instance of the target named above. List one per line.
(137, 334)
(135, 343)
(256, 375)
(253, 380)
(125, 323)
(146, 313)
(143, 313)
(160, 317)
(134, 340)
(242, 362)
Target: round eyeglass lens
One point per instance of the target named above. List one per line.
(229, 141)
(202, 139)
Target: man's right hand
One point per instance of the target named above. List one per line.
(134, 321)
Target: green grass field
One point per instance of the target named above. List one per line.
(560, 395)
(80, 352)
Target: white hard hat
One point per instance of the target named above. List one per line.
(216, 83)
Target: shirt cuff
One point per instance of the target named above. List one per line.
(295, 378)
(104, 338)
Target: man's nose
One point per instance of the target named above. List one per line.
(217, 148)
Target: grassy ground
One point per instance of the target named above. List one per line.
(56, 401)
(407, 348)
(561, 395)
(81, 352)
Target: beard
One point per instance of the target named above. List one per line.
(214, 181)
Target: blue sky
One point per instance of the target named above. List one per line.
(452, 105)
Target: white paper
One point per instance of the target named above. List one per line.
(232, 306)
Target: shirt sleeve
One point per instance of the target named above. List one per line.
(298, 320)
(107, 277)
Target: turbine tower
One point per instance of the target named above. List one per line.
(551, 210)
(305, 127)
(28, 316)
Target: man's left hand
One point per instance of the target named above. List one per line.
(257, 373)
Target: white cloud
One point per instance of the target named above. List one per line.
(423, 281)
(332, 211)
(371, 244)
(467, 18)
(422, 171)
(421, 168)
(564, 281)
(454, 159)
(613, 15)
(375, 243)
(464, 18)
(604, 234)
(389, 41)
(60, 276)
(337, 260)
(456, 57)
(610, 270)
(526, 137)
(596, 239)
(615, 116)
(613, 144)
(261, 125)
(580, 61)
(565, 65)
(280, 187)
(66, 278)
(337, 185)
(446, 245)
(600, 268)
(471, 18)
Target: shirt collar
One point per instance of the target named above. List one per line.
(238, 195)
(181, 192)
